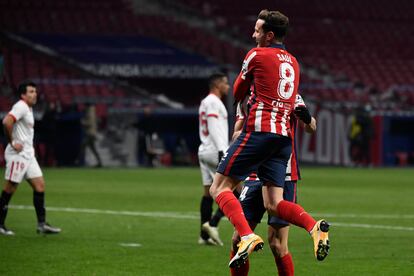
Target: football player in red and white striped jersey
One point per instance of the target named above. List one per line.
(252, 200)
(265, 144)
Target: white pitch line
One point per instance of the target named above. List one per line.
(368, 216)
(176, 215)
(373, 226)
(112, 212)
(130, 244)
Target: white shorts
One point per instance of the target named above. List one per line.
(18, 167)
(208, 165)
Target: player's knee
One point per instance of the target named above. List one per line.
(216, 187)
(39, 186)
(278, 248)
(271, 208)
(221, 184)
(40, 189)
(10, 187)
(213, 191)
(207, 191)
(9, 190)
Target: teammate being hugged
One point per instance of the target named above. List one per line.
(265, 145)
(20, 158)
(214, 138)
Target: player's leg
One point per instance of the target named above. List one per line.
(273, 172)
(6, 194)
(215, 219)
(278, 236)
(242, 158)
(242, 268)
(252, 204)
(212, 225)
(206, 209)
(16, 167)
(91, 145)
(35, 178)
(38, 185)
(221, 190)
(208, 162)
(295, 214)
(290, 211)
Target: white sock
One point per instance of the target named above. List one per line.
(247, 237)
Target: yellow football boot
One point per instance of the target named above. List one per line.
(245, 248)
(319, 234)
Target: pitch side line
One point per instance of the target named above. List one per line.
(371, 216)
(373, 226)
(112, 212)
(176, 215)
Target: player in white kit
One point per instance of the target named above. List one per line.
(20, 158)
(214, 138)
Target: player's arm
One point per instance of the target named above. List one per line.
(240, 118)
(241, 87)
(302, 113)
(242, 84)
(306, 120)
(8, 123)
(238, 126)
(310, 128)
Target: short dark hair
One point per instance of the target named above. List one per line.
(276, 22)
(22, 88)
(214, 78)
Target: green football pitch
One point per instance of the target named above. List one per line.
(146, 222)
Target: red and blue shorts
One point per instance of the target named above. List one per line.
(262, 152)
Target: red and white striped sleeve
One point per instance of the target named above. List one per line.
(241, 86)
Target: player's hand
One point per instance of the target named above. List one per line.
(303, 114)
(17, 146)
(220, 155)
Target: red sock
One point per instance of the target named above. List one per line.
(294, 213)
(285, 265)
(232, 209)
(242, 270)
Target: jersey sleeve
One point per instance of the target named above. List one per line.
(18, 110)
(242, 84)
(239, 111)
(299, 101)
